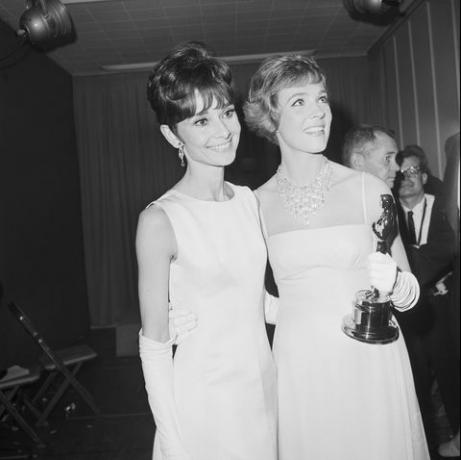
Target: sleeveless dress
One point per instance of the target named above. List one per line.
(224, 375)
(339, 399)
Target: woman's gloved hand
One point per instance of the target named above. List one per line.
(382, 271)
(182, 322)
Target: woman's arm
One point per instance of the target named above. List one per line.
(155, 248)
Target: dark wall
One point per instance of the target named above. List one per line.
(41, 245)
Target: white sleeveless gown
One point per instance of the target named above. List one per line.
(339, 399)
(224, 376)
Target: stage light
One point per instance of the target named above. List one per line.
(377, 11)
(46, 24)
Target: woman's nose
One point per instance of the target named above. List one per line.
(318, 112)
(222, 129)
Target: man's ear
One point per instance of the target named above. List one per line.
(170, 136)
(357, 161)
(424, 178)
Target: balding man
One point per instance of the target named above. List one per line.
(372, 149)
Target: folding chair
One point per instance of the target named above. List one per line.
(10, 387)
(61, 365)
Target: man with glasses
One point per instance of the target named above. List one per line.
(427, 237)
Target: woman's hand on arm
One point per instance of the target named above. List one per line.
(182, 323)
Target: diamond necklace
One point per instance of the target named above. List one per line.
(303, 201)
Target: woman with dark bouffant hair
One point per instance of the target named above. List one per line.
(200, 246)
(338, 398)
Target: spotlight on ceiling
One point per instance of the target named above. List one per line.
(46, 24)
(376, 11)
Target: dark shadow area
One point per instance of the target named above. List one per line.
(342, 121)
(125, 429)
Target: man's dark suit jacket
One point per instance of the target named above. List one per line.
(426, 327)
(450, 198)
(434, 259)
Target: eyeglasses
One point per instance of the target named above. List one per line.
(411, 171)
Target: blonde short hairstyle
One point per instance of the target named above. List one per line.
(276, 73)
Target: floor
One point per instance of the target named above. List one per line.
(124, 430)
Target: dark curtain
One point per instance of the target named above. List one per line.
(125, 163)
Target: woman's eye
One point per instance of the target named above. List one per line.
(201, 122)
(229, 113)
(298, 102)
(324, 99)
(387, 159)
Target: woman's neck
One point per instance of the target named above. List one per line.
(204, 183)
(301, 168)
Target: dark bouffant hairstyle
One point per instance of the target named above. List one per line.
(276, 73)
(358, 138)
(174, 82)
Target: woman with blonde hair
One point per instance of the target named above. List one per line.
(338, 398)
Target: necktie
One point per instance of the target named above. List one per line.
(411, 228)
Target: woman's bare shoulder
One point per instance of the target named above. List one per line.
(343, 174)
(153, 216)
(154, 228)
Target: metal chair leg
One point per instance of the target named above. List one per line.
(82, 391)
(18, 417)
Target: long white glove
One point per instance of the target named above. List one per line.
(402, 287)
(157, 366)
(271, 308)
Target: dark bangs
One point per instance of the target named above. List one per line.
(212, 82)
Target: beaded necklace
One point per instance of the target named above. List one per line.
(303, 201)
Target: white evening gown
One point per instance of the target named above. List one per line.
(224, 375)
(339, 399)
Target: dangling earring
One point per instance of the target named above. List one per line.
(181, 155)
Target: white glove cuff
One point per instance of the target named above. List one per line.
(157, 366)
(406, 291)
(150, 349)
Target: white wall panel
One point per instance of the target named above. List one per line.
(419, 61)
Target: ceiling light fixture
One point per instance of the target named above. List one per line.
(375, 11)
(239, 59)
(46, 24)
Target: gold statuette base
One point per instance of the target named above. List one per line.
(371, 320)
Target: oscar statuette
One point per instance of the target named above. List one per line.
(371, 318)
